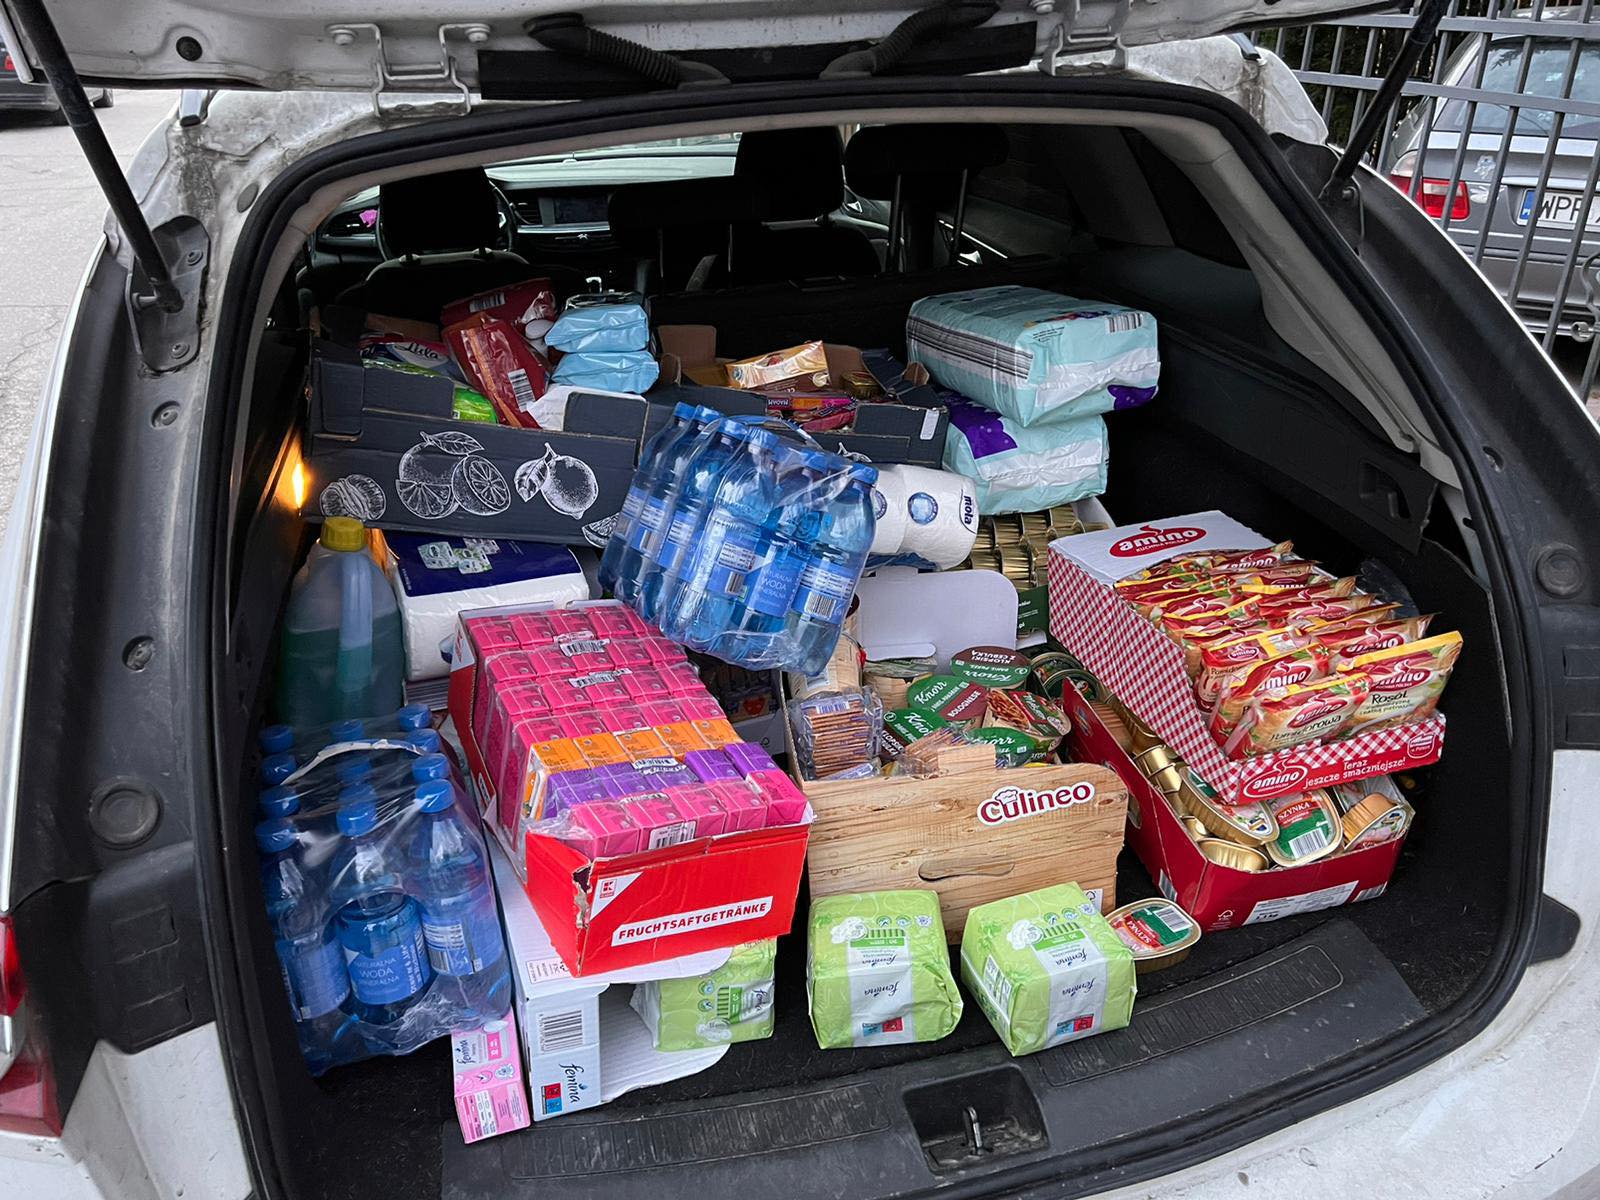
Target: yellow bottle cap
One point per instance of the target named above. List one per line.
(343, 533)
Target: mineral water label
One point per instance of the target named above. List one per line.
(776, 583)
(652, 516)
(677, 537)
(736, 557)
(461, 943)
(314, 977)
(632, 503)
(1078, 981)
(824, 592)
(392, 974)
(880, 969)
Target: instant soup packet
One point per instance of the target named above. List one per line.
(1405, 682)
(731, 1004)
(1302, 713)
(1235, 691)
(1047, 968)
(878, 970)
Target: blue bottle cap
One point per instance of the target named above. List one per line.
(275, 768)
(351, 768)
(275, 835)
(435, 796)
(821, 461)
(426, 740)
(864, 473)
(356, 792)
(414, 716)
(357, 817)
(348, 730)
(280, 801)
(275, 739)
(430, 766)
(684, 411)
(704, 415)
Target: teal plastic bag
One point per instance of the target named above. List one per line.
(1019, 469)
(630, 371)
(1036, 357)
(607, 327)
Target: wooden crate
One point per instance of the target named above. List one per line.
(973, 836)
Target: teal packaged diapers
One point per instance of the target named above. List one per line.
(1047, 968)
(878, 970)
(731, 1004)
(1036, 357)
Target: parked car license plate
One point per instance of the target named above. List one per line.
(1559, 208)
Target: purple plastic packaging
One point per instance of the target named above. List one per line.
(661, 775)
(749, 757)
(710, 764)
(568, 788)
(623, 781)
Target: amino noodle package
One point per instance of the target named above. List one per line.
(1406, 681)
(1303, 713)
(1235, 691)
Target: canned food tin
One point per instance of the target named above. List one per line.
(1194, 827)
(1049, 671)
(1064, 520)
(1168, 779)
(1143, 736)
(1112, 720)
(1231, 854)
(1015, 564)
(1034, 524)
(1375, 820)
(985, 560)
(1308, 827)
(1007, 529)
(1159, 933)
(1154, 758)
(1249, 824)
(1085, 682)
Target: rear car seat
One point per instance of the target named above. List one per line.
(438, 235)
(802, 174)
(923, 171)
(680, 229)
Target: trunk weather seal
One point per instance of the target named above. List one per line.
(1514, 600)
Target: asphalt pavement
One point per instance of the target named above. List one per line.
(51, 212)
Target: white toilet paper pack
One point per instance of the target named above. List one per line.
(1036, 356)
(436, 578)
(931, 514)
(1024, 469)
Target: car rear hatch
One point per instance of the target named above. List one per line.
(1264, 1024)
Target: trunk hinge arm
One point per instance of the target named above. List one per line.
(390, 77)
(1340, 188)
(36, 26)
(1078, 47)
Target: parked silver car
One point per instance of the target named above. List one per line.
(1484, 193)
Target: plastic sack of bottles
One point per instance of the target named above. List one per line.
(743, 539)
(378, 891)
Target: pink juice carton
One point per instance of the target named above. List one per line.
(491, 635)
(526, 732)
(702, 707)
(601, 689)
(532, 628)
(619, 621)
(519, 699)
(746, 807)
(786, 803)
(490, 1095)
(704, 809)
(663, 712)
(660, 821)
(603, 829)
(581, 622)
(583, 724)
(494, 676)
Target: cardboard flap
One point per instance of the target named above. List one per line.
(630, 1061)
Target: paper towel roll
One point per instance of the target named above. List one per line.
(889, 510)
(941, 514)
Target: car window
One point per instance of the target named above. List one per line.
(1547, 72)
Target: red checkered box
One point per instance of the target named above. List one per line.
(1143, 667)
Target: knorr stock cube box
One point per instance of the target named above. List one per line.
(1046, 968)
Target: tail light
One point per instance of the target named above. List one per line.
(27, 1086)
(9, 65)
(1433, 195)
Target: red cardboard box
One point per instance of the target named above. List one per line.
(1144, 668)
(1221, 897)
(609, 913)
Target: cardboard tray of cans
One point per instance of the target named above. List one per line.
(977, 834)
(621, 910)
(1143, 668)
(1217, 896)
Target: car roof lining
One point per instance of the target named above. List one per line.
(1302, 303)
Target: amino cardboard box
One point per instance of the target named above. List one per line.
(584, 1045)
(1220, 897)
(1143, 667)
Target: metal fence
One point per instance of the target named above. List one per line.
(1495, 137)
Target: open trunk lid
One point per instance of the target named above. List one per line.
(448, 47)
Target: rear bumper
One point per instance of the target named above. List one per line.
(1542, 279)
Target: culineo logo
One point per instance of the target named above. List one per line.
(1151, 539)
(1014, 803)
(1279, 782)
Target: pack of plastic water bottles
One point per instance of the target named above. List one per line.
(742, 538)
(377, 887)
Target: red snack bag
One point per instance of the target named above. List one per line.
(1303, 713)
(1406, 681)
(1346, 640)
(523, 304)
(1235, 691)
(1233, 607)
(1302, 609)
(1223, 658)
(499, 362)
